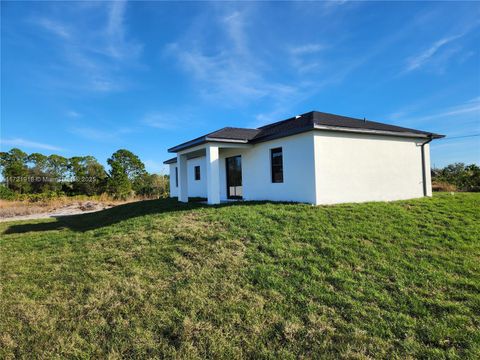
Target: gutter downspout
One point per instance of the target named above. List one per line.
(424, 171)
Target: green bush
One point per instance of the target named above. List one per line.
(463, 177)
(7, 194)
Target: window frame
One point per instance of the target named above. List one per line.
(176, 176)
(197, 175)
(275, 168)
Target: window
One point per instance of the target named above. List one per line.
(197, 172)
(276, 158)
(176, 176)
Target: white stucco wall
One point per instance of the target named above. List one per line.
(428, 174)
(298, 171)
(197, 188)
(173, 187)
(359, 167)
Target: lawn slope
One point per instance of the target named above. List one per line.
(250, 280)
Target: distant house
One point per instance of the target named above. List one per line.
(315, 158)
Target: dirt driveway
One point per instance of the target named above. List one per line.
(80, 207)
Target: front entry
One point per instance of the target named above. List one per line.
(234, 177)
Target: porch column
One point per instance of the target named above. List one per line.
(213, 175)
(428, 174)
(182, 178)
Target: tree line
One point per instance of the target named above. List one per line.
(79, 175)
(457, 177)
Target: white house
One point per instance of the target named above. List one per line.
(315, 158)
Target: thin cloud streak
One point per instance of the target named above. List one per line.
(304, 58)
(73, 114)
(421, 59)
(306, 49)
(53, 27)
(435, 49)
(470, 107)
(29, 144)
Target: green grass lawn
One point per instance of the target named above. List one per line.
(158, 279)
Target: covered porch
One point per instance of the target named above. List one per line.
(211, 151)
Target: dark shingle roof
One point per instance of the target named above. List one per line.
(305, 122)
(171, 161)
(234, 134)
(316, 119)
(229, 134)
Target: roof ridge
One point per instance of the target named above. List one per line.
(365, 120)
(237, 128)
(285, 120)
(214, 131)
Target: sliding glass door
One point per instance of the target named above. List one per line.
(234, 177)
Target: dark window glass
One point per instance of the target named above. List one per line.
(234, 177)
(197, 172)
(276, 158)
(176, 176)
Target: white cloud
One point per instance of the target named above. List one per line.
(155, 167)
(305, 58)
(268, 117)
(95, 134)
(233, 74)
(160, 120)
(73, 114)
(29, 144)
(117, 45)
(94, 48)
(334, 3)
(306, 49)
(54, 27)
(235, 27)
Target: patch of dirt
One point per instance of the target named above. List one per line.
(80, 207)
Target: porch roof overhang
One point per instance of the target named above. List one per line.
(197, 150)
(229, 135)
(171, 161)
(203, 140)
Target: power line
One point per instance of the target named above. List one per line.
(459, 137)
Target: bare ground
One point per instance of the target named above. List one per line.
(27, 211)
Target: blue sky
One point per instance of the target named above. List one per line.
(82, 78)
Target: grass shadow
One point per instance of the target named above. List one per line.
(98, 219)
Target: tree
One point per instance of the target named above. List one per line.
(57, 168)
(118, 183)
(79, 175)
(15, 170)
(38, 163)
(40, 179)
(88, 176)
(463, 177)
(125, 167)
(154, 185)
